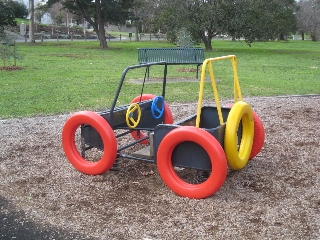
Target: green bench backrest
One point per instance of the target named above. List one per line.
(171, 55)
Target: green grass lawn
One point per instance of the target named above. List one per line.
(60, 77)
(20, 20)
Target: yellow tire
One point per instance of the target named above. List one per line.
(238, 151)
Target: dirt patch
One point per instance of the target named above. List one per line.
(11, 68)
(67, 55)
(168, 80)
(187, 70)
(275, 197)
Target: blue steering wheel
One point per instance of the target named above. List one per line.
(157, 112)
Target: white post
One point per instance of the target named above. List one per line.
(23, 29)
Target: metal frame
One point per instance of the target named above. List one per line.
(210, 118)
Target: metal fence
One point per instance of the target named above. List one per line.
(109, 37)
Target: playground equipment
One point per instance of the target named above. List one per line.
(209, 141)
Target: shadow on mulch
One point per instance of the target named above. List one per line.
(16, 225)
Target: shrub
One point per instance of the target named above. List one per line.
(184, 39)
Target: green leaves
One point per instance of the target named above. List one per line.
(184, 39)
(249, 19)
(6, 16)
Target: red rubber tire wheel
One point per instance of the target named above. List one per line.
(211, 146)
(109, 142)
(258, 136)
(167, 117)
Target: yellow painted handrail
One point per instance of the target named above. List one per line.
(237, 91)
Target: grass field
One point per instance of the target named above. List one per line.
(60, 77)
(20, 20)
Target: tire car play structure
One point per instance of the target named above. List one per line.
(209, 141)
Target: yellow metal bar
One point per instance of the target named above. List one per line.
(215, 93)
(237, 91)
(202, 79)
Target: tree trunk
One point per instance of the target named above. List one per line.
(302, 36)
(281, 36)
(98, 24)
(206, 39)
(207, 42)
(136, 34)
(314, 37)
(31, 21)
(101, 32)
(136, 24)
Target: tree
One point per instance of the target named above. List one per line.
(258, 19)
(7, 17)
(200, 17)
(204, 26)
(167, 19)
(184, 39)
(246, 19)
(249, 19)
(98, 12)
(9, 49)
(54, 11)
(7, 41)
(144, 14)
(308, 17)
(40, 11)
(285, 18)
(31, 21)
(20, 10)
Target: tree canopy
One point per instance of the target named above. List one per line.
(6, 16)
(98, 12)
(308, 16)
(248, 19)
(20, 10)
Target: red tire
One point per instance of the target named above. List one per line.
(211, 146)
(168, 118)
(258, 136)
(107, 136)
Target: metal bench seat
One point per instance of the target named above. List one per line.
(172, 56)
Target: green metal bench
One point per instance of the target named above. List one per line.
(172, 56)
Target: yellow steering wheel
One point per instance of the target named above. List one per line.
(131, 122)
